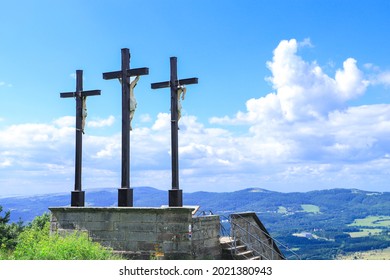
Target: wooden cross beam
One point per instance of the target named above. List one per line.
(129, 73)
(175, 194)
(78, 197)
(180, 82)
(125, 193)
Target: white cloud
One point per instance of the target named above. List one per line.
(336, 152)
(383, 78)
(302, 136)
(145, 118)
(163, 122)
(377, 76)
(103, 147)
(4, 160)
(305, 129)
(306, 43)
(66, 121)
(349, 81)
(102, 122)
(302, 90)
(39, 158)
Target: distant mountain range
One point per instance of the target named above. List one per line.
(325, 224)
(339, 202)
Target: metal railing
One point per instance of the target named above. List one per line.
(256, 238)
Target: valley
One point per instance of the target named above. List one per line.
(326, 224)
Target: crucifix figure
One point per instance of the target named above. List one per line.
(125, 193)
(78, 196)
(133, 102)
(177, 91)
(181, 93)
(83, 112)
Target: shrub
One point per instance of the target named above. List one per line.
(8, 233)
(35, 243)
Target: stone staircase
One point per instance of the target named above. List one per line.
(248, 239)
(236, 250)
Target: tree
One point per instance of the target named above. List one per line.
(8, 232)
(40, 222)
(5, 219)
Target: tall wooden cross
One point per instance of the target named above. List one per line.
(175, 194)
(78, 196)
(125, 193)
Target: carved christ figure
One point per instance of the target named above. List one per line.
(84, 112)
(181, 93)
(133, 101)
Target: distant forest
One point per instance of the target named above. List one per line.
(334, 222)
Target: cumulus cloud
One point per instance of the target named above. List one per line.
(302, 90)
(381, 78)
(101, 147)
(102, 122)
(384, 78)
(303, 135)
(66, 121)
(306, 129)
(38, 157)
(307, 117)
(145, 118)
(377, 76)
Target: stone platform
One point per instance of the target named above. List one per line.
(144, 233)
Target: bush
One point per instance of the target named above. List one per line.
(8, 233)
(35, 243)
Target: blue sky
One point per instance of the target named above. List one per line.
(292, 95)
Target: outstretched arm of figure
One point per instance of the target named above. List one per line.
(134, 83)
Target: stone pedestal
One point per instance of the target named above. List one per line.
(77, 198)
(144, 233)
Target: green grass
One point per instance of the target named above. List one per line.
(310, 208)
(35, 243)
(365, 232)
(372, 221)
(370, 225)
(368, 255)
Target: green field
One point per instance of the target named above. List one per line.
(368, 255)
(365, 232)
(370, 225)
(310, 208)
(372, 222)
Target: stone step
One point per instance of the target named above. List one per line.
(239, 251)
(225, 239)
(235, 248)
(245, 253)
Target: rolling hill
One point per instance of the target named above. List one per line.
(318, 224)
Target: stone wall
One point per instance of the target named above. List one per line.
(205, 237)
(143, 233)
